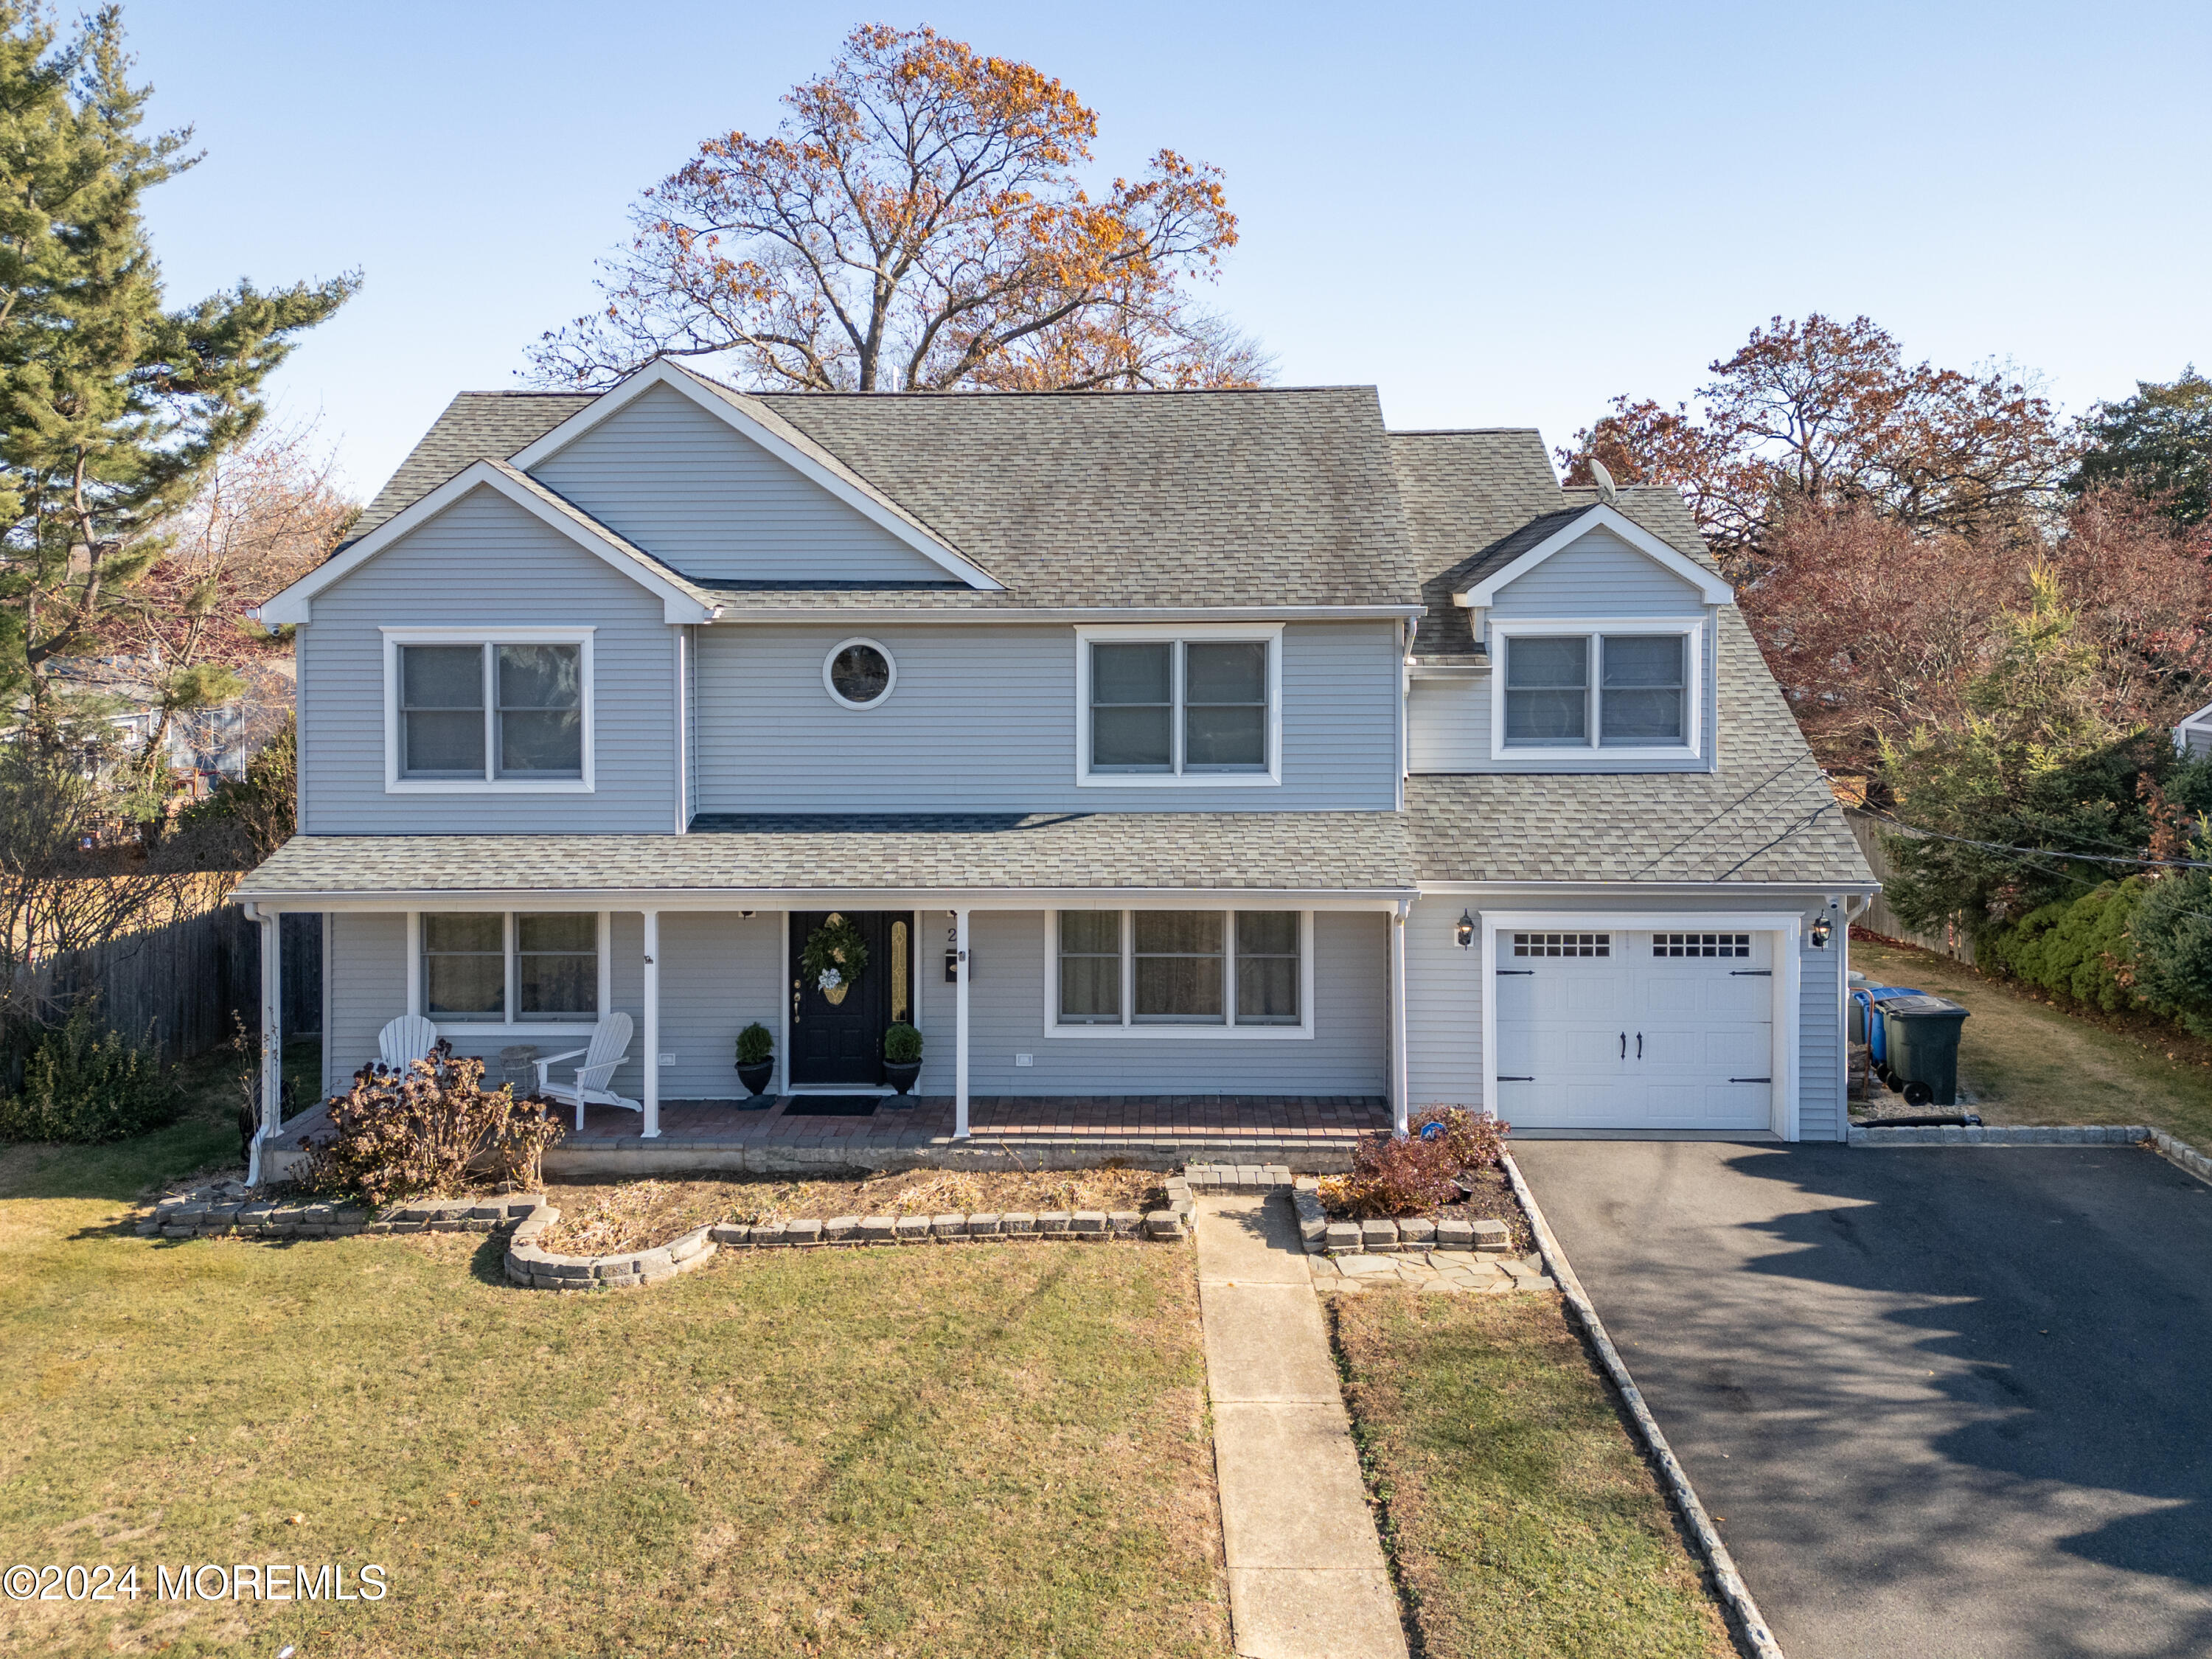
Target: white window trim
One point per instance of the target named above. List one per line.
(459, 1026)
(394, 784)
(1270, 634)
(1691, 628)
(1228, 1030)
(839, 697)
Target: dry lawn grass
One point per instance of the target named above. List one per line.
(1521, 1517)
(597, 1218)
(2026, 1058)
(990, 1450)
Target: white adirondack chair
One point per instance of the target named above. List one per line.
(407, 1039)
(610, 1047)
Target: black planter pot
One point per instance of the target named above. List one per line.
(901, 1074)
(756, 1077)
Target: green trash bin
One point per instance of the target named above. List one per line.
(1920, 1036)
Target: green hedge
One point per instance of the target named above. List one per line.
(2142, 945)
(86, 1084)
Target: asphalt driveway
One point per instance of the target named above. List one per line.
(1942, 1402)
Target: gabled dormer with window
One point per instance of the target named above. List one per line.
(1592, 649)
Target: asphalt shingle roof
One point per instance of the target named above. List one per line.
(872, 852)
(1269, 498)
(1766, 815)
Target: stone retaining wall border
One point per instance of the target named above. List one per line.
(532, 1268)
(1728, 1584)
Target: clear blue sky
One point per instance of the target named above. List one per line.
(1497, 214)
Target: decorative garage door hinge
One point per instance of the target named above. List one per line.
(1750, 1079)
(1515, 1079)
(1502, 971)
(1750, 973)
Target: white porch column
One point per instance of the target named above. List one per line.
(960, 1028)
(272, 1039)
(652, 1025)
(1400, 1109)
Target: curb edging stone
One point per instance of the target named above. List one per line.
(2176, 1151)
(1727, 1583)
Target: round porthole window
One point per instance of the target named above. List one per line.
(860, 673)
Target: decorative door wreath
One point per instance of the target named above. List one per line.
(833, 957)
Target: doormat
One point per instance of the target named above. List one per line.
(831, 1106)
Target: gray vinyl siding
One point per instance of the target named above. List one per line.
(1598, 575)
(1448, 725)
(366, 984)
(983, 719)
(485, 561)
(683, 484)
(1444, 1007)
(718, 973)
(1347, 1054)
(1821, 1113)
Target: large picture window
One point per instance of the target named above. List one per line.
(514, 968)
(490, 712)
(1165, 708)
(1624, 688)
(1163, 972)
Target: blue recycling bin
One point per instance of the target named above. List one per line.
(1865, 1027)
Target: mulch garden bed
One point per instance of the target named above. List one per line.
(1491, 1200)
(604, 1218)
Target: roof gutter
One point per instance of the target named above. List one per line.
(731, 609)
(815, 898)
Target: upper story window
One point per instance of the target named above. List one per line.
(1192, 706)
(1565, 690)
(501, 710)
(859, 673)
(1157, 973)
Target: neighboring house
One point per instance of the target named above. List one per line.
(199, 746)
(1240, 747)
(2193, 736)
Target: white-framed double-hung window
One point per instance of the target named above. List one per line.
(1195, 705)
(512, 968)
(1624, 690)
(1179, 973)
(498, 709)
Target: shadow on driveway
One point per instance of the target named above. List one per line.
(1948, 1402)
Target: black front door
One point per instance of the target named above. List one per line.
(842, 1041)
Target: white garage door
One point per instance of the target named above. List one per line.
(1622, 1031)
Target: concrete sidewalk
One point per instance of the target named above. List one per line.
(1306, 1574)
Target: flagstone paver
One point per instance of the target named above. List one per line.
(1307, 1579)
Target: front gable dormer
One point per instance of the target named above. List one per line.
(724, 490)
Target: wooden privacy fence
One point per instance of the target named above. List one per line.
(182, 981)
(1879, 918)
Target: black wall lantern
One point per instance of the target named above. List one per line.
(1465, 932)
(1820, 930)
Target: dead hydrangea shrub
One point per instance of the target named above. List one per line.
(1413, 1174)
(429, 1127)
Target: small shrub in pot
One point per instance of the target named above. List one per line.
(755, 1057)
(902, 1056)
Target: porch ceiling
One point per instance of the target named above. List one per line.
(1351, 854)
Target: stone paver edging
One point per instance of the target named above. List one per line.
(1727, 1583)
(531, 1266)
(2178, 1152)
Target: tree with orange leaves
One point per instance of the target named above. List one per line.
(916, 224)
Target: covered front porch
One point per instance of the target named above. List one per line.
(1239, 985)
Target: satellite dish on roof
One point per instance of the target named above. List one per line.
(1606, 490)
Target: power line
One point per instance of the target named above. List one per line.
(2045, 851)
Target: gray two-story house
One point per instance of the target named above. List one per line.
(1213, 746)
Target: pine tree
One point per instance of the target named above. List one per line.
(112, 407)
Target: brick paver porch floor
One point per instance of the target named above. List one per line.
(1311, 1131)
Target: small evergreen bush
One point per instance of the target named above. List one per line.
(86, 1084)
(901, 1044)
(755, 1045)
